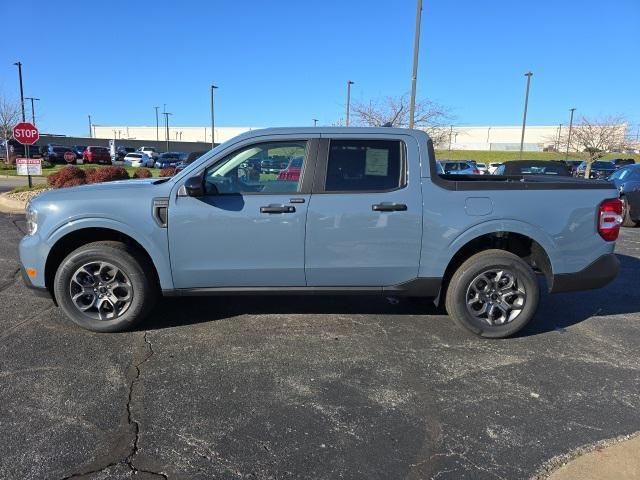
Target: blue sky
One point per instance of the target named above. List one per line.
(286, 62)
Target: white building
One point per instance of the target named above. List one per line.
(177, 133)
(536, 138)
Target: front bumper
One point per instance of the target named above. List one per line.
(596, 275)
(41, 292)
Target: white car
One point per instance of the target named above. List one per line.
(138, 159)
(482, 168)
(150, 151)
(493, 166)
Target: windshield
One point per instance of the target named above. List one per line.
(621, 174)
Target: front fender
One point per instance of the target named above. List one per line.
(152, 238)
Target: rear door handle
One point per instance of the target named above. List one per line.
(388, 207)
(278, 209)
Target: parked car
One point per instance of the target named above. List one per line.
(599, 169)
(459, 167)
(627, 181)
(368, 215)
(193, 156)
(492, 167)
(274, 164)
(138, 159)
(170, 159)
(79, 151)
(94, 154)
(121, 152)
(150, 151)
(572, 165)
(621, 162)
(55, 154)
(18, 150)
(533, 167)
(292, 172)
(482, 168)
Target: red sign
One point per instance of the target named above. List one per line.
(69, 157)
(25, 133)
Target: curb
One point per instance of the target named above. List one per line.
(9, 205)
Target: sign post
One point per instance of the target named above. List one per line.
(27, 134)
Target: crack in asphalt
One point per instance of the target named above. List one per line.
(131, 422)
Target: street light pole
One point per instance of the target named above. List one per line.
(157, 125)
(524, 116)
(166, 124)
(213, 137)
(26, 147)
(349, 83)
(414, 75)
(566, 155)
(315, 122)
(33, 110)
(90, 129)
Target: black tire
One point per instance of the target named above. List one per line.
(461, 284)
(627, 221)
(130, 262)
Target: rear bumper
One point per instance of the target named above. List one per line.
(598, 274)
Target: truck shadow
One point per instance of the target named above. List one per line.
(556, 312)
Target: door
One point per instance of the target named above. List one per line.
(248, 229)
(364, 224)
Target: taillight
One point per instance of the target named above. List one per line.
(610, 219)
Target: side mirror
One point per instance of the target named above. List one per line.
(193, 186)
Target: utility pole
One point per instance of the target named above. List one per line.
(26, 147)
(450, 135)
(33, 110)
(414, 75)
(157, 125)
(90, 129)
(349, 83)
(166, 124)
(558, 141)
(213, 135)
(315, 122)
(524, 116)
(566, 155)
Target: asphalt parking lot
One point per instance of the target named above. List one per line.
(319, 388)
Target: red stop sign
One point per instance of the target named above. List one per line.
(25, 133)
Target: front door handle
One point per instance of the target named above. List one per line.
(389, 207)
(278, 209)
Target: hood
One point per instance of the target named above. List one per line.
(119, 188)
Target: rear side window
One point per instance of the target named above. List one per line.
(364, 165)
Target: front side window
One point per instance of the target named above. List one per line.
(364, 165)
(274, 167)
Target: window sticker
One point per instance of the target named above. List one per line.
(377, 162)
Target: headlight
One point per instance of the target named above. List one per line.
(32, 219)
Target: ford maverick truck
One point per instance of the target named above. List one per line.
(367, 212)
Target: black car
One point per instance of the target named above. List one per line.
(572, 165)
(627, 181)
(121, 152)
(79, 150)
(534, 167)
(53, 153)
(193, 156)
(622, 162)
(170, 159)
(599, 169)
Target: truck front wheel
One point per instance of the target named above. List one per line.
(494, 294)
(103, 287)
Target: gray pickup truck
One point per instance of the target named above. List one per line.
(360, 211)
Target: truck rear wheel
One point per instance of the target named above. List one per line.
(103, 287)
(494, 294)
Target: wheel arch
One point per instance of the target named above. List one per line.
(67, 240)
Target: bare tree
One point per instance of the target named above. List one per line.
(9, 116)
(595, 137)
(394, 112)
